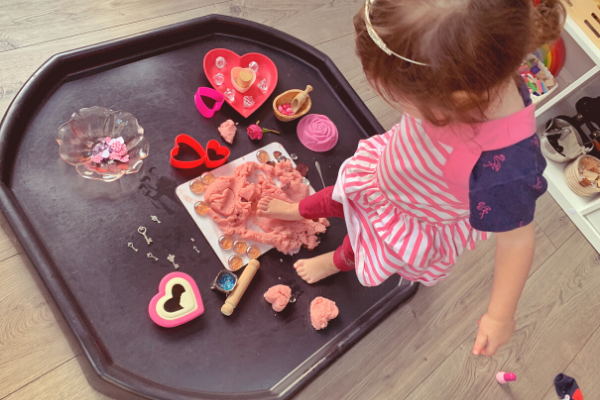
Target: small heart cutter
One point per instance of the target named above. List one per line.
(203, 157)
(211, 94)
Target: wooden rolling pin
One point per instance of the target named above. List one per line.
(300, 99)
(236, 294)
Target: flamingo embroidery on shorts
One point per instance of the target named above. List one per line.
(483, 208)
(538, 185)
(497, 163)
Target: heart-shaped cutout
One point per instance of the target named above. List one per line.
(209, 93)
(166, 314)
(191, 142)
(219, 150)
(266, 70)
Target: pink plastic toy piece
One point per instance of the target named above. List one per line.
(505, 377)
(211, 94)
(178, 301)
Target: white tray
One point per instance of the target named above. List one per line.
(207, 226)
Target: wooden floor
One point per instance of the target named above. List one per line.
(422, 351)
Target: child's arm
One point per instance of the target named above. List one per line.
(514, 255)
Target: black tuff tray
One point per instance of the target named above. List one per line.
(76, 231)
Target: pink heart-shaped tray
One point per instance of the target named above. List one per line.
(266, 70)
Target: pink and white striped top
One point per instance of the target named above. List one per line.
(406, 195)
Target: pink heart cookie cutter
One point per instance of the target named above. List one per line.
(211, 94)
(190, 301)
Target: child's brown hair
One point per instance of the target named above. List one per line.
(471, 48)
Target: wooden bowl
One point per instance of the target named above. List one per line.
(287, 97)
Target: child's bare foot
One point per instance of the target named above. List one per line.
(278, 209)
(314, 269)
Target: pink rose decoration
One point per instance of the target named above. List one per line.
(255, 132)
(317, 133)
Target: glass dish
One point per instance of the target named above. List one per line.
(103, 144)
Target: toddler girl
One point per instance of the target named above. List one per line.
(463, 161)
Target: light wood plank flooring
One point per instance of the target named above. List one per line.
(422, 351)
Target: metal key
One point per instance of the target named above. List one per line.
(154, 218)
(171, 258)
(149, 255)
(142, 231)
(197, 251)
(131, 245)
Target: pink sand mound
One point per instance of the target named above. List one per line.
(233, 202)
(322, 311)
(279, 296)
(228, 130)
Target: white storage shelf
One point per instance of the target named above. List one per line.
(579, 78)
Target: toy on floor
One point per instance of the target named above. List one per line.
(235, 77)
(232, 200)
(282, 105)
(301, 98)
(225, 282)
(505, 377)
(99, 150)
(228, 130)
(178, 301)
(322, 311)
(204, 156)
(279, 297)
(211, 94)
(317, 133)
(567, 388)
(242, 284)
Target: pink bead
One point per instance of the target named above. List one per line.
(292, 113)
(280, 108)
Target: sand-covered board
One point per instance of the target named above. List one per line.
(207, 226)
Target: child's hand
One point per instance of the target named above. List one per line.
(492, 334)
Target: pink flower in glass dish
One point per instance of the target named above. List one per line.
(103, 144)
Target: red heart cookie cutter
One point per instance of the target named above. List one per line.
(203, 155)
(266, 70)
(190, 141)
(219, 150)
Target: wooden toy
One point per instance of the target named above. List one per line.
(178, 301)
(236, 294)
(288, 97)
(301, 98)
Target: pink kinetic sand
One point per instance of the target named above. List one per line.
(278, 296)
(317, 133)
(228, 130)
(322, 311)
(233, 202)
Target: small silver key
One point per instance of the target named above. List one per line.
(142, 231)
(197, 251)
(171, 258)
(149, 255)
(155, 218)
(131, 245)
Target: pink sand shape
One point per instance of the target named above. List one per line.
(322, 311)
(278, 296)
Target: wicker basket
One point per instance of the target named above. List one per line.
(572, 176)
(586, 14)
(287, 97)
